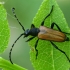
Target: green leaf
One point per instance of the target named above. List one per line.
(4, 29)
(4, 39)
(4, 69)
(50, 58)
(6, 65)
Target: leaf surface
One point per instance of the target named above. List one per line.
(4, 29)
(4, 39)
(50, 58)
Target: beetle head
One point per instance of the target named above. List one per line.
(26, 33)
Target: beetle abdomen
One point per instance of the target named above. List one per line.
(51, 34)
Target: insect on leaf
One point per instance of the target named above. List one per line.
(50, 58)
(4, 29)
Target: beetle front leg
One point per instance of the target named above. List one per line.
(32, 26)
(36, 47)
(30, 39)
(52, 25)
(60, 50)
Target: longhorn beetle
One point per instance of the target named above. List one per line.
(43, 33)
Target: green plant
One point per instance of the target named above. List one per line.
(49, 58)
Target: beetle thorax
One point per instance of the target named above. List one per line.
(32, 32)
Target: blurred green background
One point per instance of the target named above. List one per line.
(25, 11)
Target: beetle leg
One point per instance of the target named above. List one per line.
(32, 26)
(30, 39)
(67, 39)
(66, 33)
(52, 25)
(60, 50)
(47, 16)
(36, 47)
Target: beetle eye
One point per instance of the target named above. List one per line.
(26, 32)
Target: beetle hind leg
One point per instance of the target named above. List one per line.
(60, 50)
(67, 39)
(66, 33)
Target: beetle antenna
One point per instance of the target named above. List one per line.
(13, 46)
(13, 10)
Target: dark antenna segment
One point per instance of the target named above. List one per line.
(13, 46)
(13, 10)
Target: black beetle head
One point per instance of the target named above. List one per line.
(26, 33)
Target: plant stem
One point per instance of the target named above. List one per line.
(6, 65)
